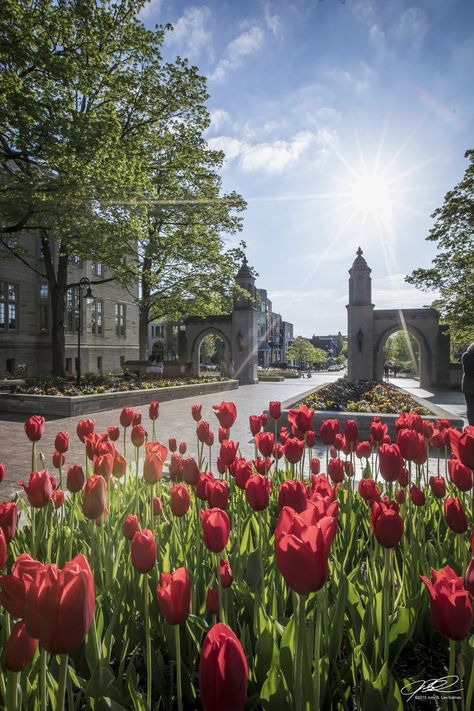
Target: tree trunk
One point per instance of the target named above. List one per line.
(56, 272)
(143, 316)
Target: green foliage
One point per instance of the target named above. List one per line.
(452, 270)
(304, 353)
(402, 349)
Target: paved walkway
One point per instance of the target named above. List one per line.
(451, 400)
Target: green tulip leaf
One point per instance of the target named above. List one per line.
(274, 695)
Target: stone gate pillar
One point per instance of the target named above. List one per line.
(244, 328)
(360, 321)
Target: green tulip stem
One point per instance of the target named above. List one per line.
(260, 555)
(71, 535)
(387, 586)
(136, 480)
(125, 444)
(62, 681)
(43, 681)
(300, 630)
(178, 667)
(219, 588)
(317, 652)
(470, 689)
(149, 668)
(11, 693)
(33, 457)
(153, 431)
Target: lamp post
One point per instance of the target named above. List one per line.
(84, 284)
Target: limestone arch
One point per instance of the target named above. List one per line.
(198, 339)
(426, 356)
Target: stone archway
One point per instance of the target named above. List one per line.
(196, 348)
(426, 357)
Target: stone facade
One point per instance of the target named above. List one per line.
(109, 323)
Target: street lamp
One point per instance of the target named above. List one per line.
(84, 284)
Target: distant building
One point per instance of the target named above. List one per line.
(329, 344)
(109, 323)
(163, 340)
(287, 329)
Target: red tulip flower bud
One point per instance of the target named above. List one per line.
(182, 447)
(58, 498)
(143, 551)
(34, 428)
(228, 452)
(39, 489)
(403, 478)
(172, 445)
(274, 409)
(104, 464)
(138, 435)
(218, 494)
(58, 460)
(196, 412)
(469, 578)
(377, 430)
(437, 439)
(400, 496)
(61, 442)
(216, 529)
(223, 434)
(284, 435)
(310, 438)
(157, 506)
(294, 450)
(264, 419)
(336, 470)
(293, 493)
(223, 671)
(390, 461)
(19, 649)
(136, 419)
(369, 490)
(114, 433)
(257, 491)
(174, 596)
(278, 451)
(8, 519)
(363, 450)
(179, 500)
(212, 601)
(126, 417)
(454, 515)
(190, 471)
(438, 486)
(351, 431)
(241, 471)
(417, 496)
(225, 573)
(94, 499)
(409, 444)
(328, 431)
(154, 410)
(202, 431)
(209, 439)
(120, 465)
(450, 607)
(155, 457)
(176, 467)
(3, 549)
(265, 442)
(226, 413)
(85, 428)
(348, 468)
(202, 484)
(340, 443)
(386, 523)
(255, 424)
(315, 465)
(130, 527)
(460, 475)
(462, 445)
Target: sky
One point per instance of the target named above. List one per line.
(344, 124)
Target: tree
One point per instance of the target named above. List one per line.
(339, 344)
(208, 347)
(452, 270)
(304, 353)
(401, 349)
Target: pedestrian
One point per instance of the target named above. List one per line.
(386, 370)
(467, 385)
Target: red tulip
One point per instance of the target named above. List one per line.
(409, 444)
(278, 451)
(14, 587)
(369, 490)
(8, 519)
(257, 491)
(450, 607)
(136, 419)
(84, 429)
(61, 442)
(172, 444)
(34, 428)
(155, 457)
(328, 431)
(223, 434)
(3, 549)
(462, 445)
(196, 412)
(417, 496)
(19, 649)
(265, 442)
(223, 671)
(209, 439)
(190, 471)
(120, 465)
(438, 486)
(138, 435)
(104, 465)
(351, 431)
(302, 550)
(179, 500)
(262, 465)
(460, 475)
(174, 596)
(363, 450)
(157, 506)
(377, 430)
(218, 494)
(241, 470)
(294, 450)
(310, 439)
(469, 578)
(182, 447)
(225, 573)
(143, 551)
(226, 413)
(284, 435)
(216, 529)
(201, 487)
(301, 419)
(58, 498)
(58, 460)
(114, 433)
(154, 410)
(176, 467)
(39, 489)
(130, 526)
(454, 515)
(2, 472)
(390, 461)
(386, 523)
(320, 486)
(126, 417)
(400, 496)
(228, 452)
(94, 499)
(255, 424)
(212, 601)
(293, 493)
(403, 478)
(336, 470)
(274, 409)
(202, 431)
(437, 439)
(315, 466)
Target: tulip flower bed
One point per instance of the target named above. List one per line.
(138, 579)
(363, 396)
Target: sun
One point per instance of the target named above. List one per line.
(370, 196)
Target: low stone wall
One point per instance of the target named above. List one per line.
(64, 406)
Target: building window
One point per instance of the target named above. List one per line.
(8, 306)
(69, 365)
(10, 364)
(97, 269)
(97, 323)
(99, 364)
(76, 261)
(122, 361)
(43, 320)
(72, 310)
(157, 331)
(120, 319)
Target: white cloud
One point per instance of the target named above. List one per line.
(219, 118)
(411, 28)
(191, 33)
(150, 10)
(357, 83)
(393, 292)
(377, 38)
(273, 21)
(272, 157)
(245, 44)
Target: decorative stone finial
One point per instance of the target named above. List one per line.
(359, 252)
